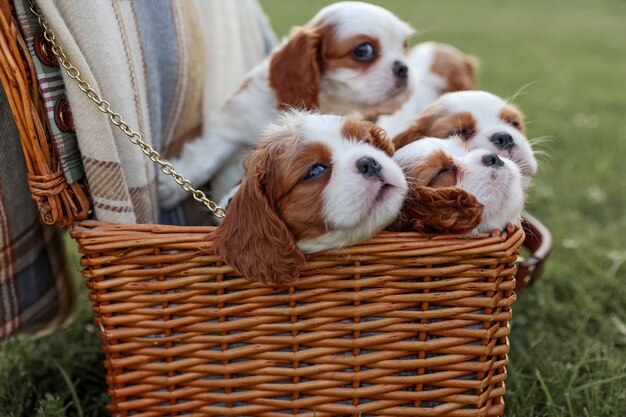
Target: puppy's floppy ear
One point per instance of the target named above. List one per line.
(418, 129)
(252, 238)
(439, 210)
(472, 64)
(295, 70)
(464, 76)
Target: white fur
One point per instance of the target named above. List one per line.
(428, 88)
(499, 190)
(351, 209)
(236, 127)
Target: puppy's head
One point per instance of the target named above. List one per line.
(494, 182)
(481, 120)
(315, 182)
(443, 67)
(350, 57)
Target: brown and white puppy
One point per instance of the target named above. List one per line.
(485, 190)
(483, 121)
(438, 68)
(315, 182)
(351, 57)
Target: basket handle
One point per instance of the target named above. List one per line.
(116, 119)
(539, 241)
(59, 202)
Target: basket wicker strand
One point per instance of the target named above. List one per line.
(59, 202)
(402, 325)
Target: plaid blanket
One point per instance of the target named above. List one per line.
(35, 288)
(164, 66)
(155, 62)
(53, 93)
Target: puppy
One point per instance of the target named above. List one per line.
(438, 68)
(484, 190)
(351, 57)
(483, 121)
(315, 182)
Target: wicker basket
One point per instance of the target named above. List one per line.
(403, 325)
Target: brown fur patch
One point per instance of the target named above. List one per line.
(425, 173)
(355, 129)
(439, 210)
(513, 116)
(295, 70)
(367, 131)
(339, 54)
(299, 201)
(446, 126)
(436, 123)
(418, 128)
(379, 139)
(458, 70)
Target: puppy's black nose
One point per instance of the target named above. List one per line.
(492, 160)
(503, 140)
(400, 69)
(368, 167)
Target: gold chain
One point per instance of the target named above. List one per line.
(133, 136)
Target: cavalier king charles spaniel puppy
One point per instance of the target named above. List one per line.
(314, 182)
(439, 68)
(484, 191)
(350, 58)
(483, 121)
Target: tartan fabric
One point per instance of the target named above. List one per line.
(157, 83)
(52, 90)
(36, 292)
(164, 66)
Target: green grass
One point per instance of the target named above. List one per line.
(568, 341)
(58, 375)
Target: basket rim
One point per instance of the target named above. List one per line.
(91, 233)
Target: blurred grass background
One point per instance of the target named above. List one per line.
(567, 61)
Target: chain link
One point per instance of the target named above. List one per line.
(133, 136)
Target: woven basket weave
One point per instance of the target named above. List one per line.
(402, 325)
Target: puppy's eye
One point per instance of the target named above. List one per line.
(364, 52)
(444, 177)
(315, 171)
(514, 123)
(464, 133)
(443, 170)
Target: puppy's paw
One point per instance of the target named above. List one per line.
(169, 192)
